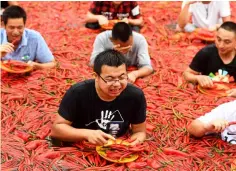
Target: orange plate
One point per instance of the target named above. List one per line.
(219, 89)
(110, 25)
(29, 68)
(103, 154)
(198, 35)
(233, 165)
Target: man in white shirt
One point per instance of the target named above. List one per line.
(205, 14)
(217, 121)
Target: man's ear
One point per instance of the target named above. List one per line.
(95, 75)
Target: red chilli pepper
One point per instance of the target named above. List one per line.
(34, 144)
(23, 135)
(170, 151)
(136, 165)
(153, 163)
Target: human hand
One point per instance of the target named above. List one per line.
(33, 64)
(134, 141)
(204, 81)
(102, 20)
(6, 48)
(122, 50)
(231, 93)
(214, 28)
(98, 137)
(217, 125)
(126, 20)
(132, 76)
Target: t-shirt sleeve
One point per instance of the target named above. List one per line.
(98, 47)
(224, 8)
(199, 62)
(143, 55)
(140, 114)
(135, 10)
(67, 108)
(95, 7)
(43, 53)
(220, 112)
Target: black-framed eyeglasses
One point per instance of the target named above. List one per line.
(122, 79)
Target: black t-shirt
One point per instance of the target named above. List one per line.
(207, 60)
(82, 106)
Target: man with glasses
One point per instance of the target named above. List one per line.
(133, 45)
(102, 108)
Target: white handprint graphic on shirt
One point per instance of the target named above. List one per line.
(106, 117)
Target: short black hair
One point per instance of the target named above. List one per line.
(110, 58)
(13, 11)
(121, 31)
(229, 26)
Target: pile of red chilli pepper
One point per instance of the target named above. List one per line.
(29, 102)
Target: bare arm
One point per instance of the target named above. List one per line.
(184, 16)
(47, 65)
(139, 133)
(144, 71)
(196, 128)
(141, 72)
(63, 130)
(199, 129)
(195, 77)
(92, 18)
(191, 75)
(136, 22)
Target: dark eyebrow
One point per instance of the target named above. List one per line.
(224, 39)
(113, 77)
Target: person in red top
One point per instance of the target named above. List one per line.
(102, 11)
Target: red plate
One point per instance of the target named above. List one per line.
(14, 66)
(218, 90)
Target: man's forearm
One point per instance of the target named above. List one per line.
(92, 18)
(45, 65)
(142, 72)
(136, 22)
(184, 16)
(68, 133)
(197, 128)
(188, 76)
(141, 136)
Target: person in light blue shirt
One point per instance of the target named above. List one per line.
(20, 43)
